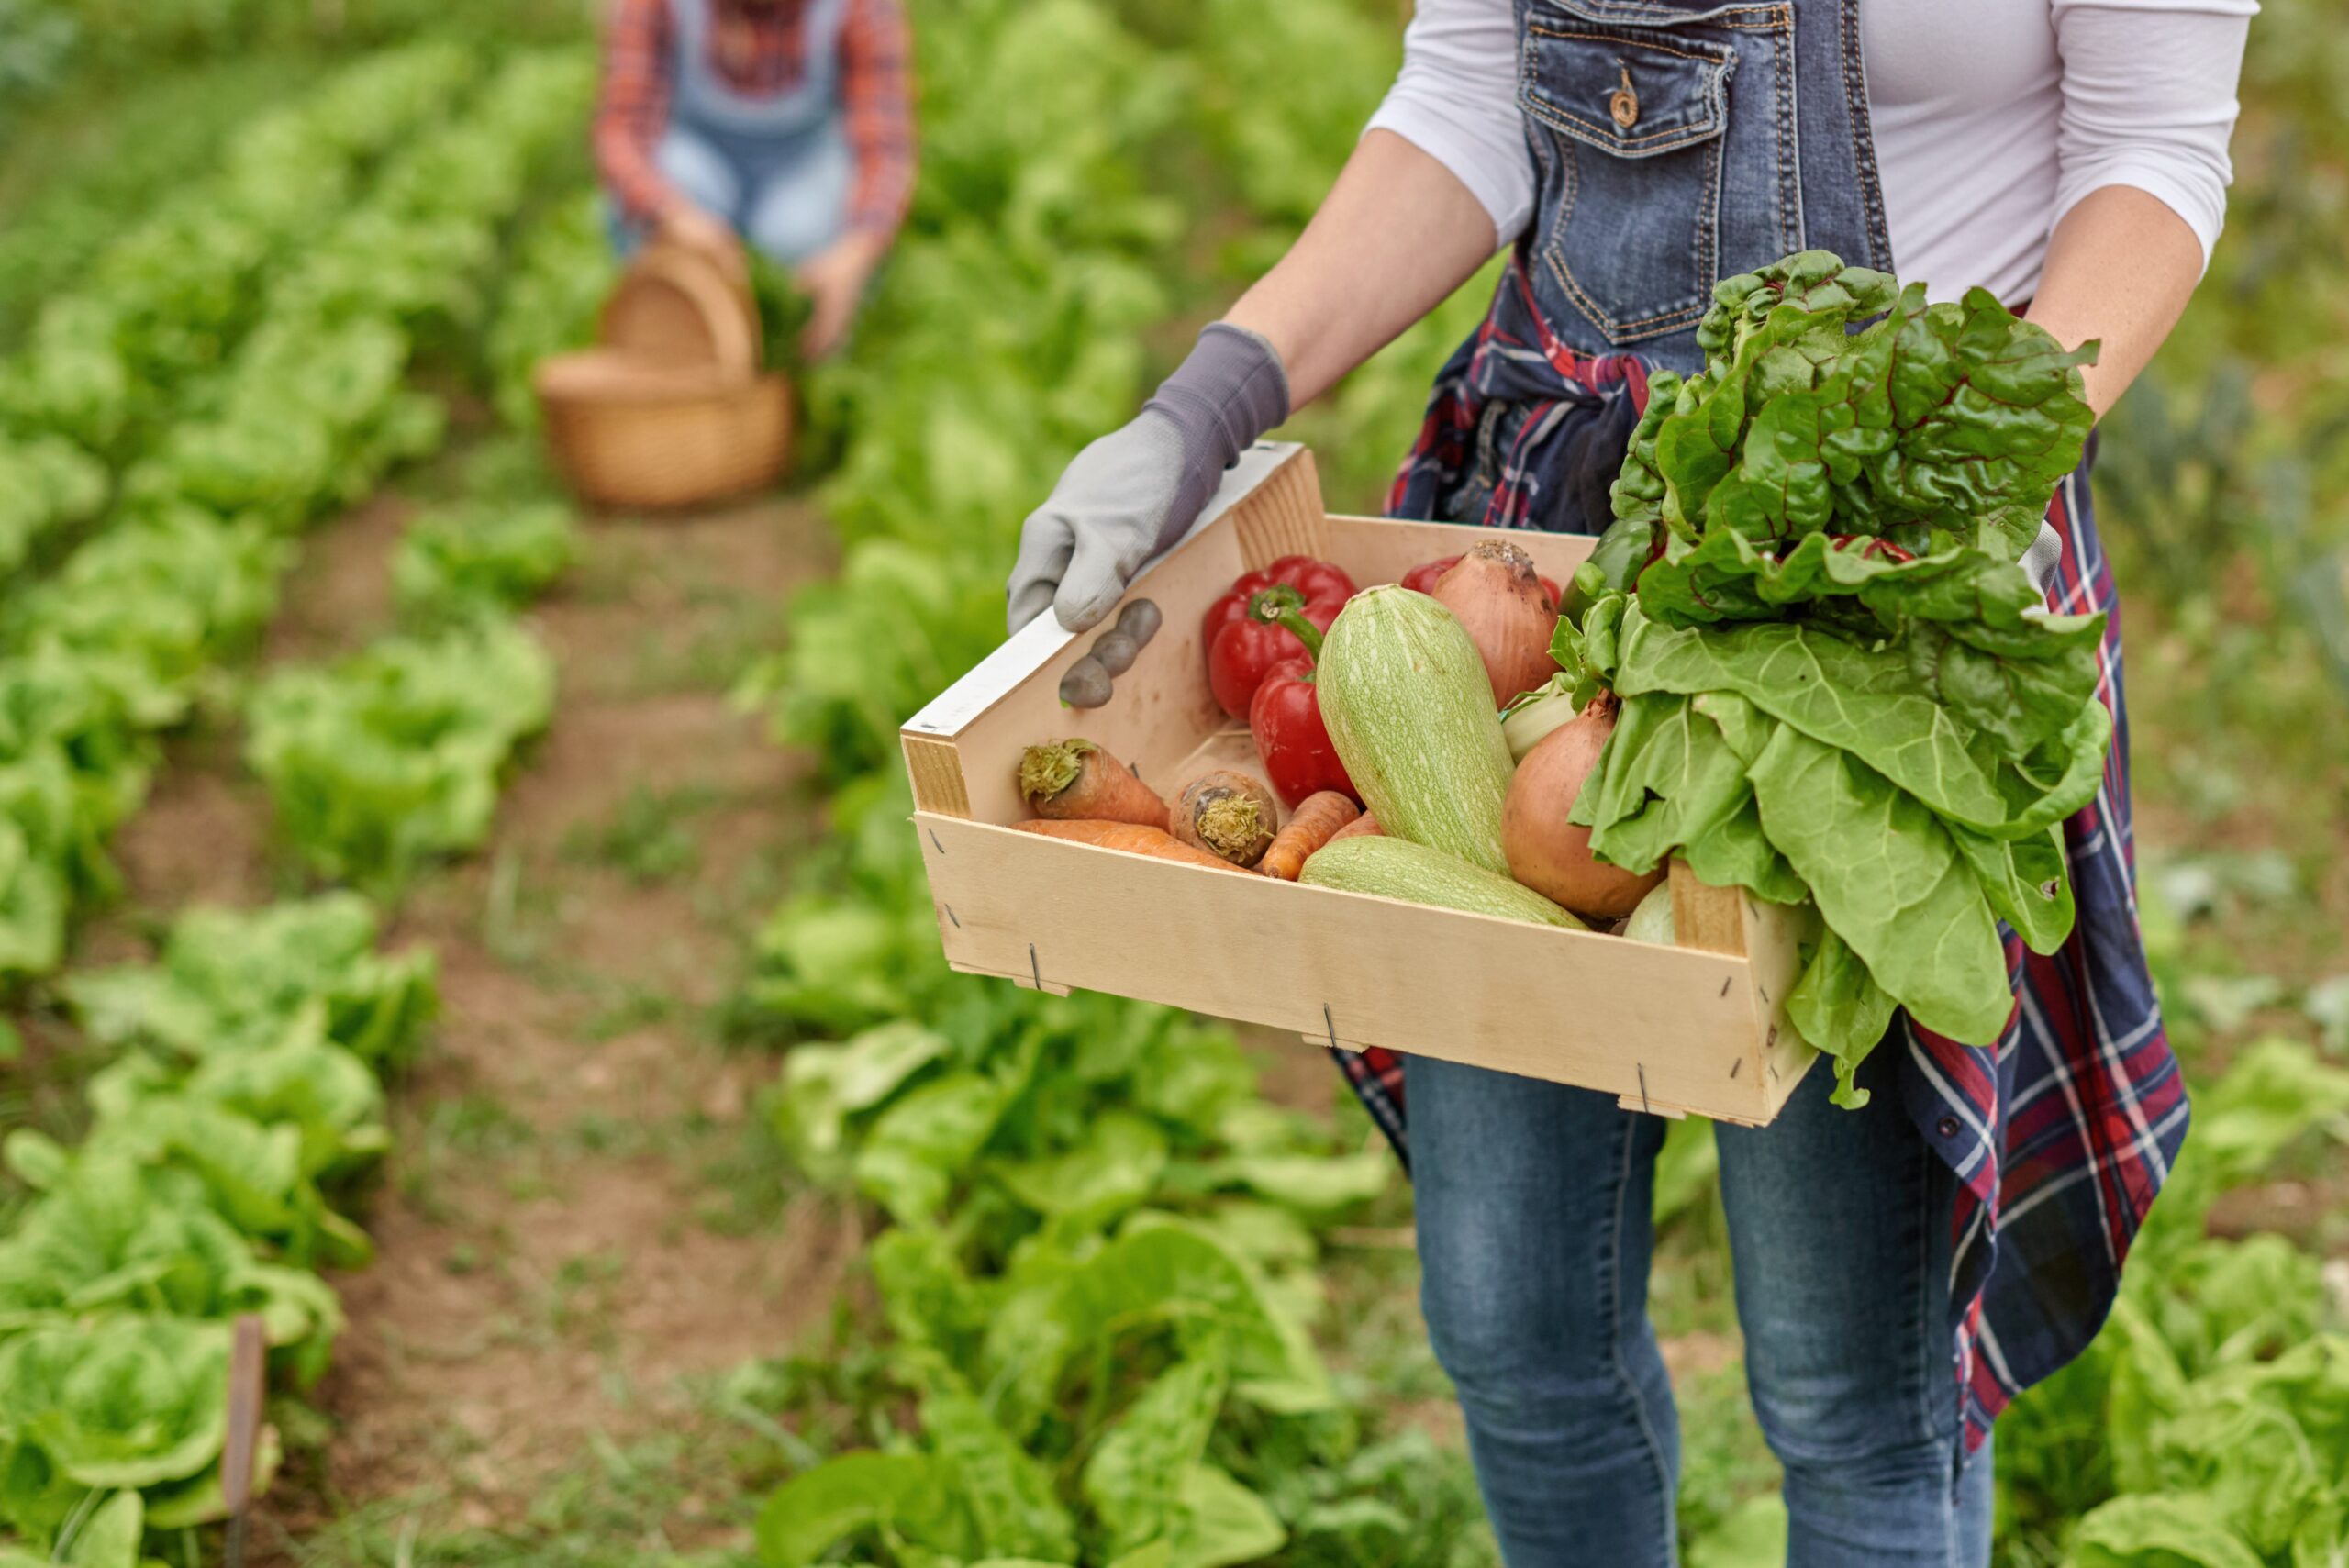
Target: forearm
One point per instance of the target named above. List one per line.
(1396, 234)
(2120, 268)
(632, 108)
(876, 64)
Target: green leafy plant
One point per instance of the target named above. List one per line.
(490, 555)
(1839, 690)
(2207, 1425)
(393, 755)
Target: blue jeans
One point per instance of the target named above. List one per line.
(788, 200)
(1535, 1233)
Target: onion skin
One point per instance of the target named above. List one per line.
(1545, 852)
(1510, 616)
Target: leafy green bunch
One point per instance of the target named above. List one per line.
(393, 755)
(226, 1133)
(1103, 1264)
(488, 556)
(1104, 1249)
(1839, 689)
(2208, 1425)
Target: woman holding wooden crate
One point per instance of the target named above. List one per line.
(1903, 1270)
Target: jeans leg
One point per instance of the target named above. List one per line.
(1977, 1507)
(1839, 1227)
(701, 171)
(800, 204)
(1535, 1235)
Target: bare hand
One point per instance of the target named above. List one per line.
(834, 279)
(689, 228)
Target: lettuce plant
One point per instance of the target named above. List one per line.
(1840, 691)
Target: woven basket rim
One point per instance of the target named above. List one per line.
(620, 377)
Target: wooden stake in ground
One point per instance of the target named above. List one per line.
(248, 1353)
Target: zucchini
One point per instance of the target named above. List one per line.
(1397, 868)
(1410, 713)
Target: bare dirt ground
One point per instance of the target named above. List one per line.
(582, 1217)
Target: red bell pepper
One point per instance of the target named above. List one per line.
(1291, 738)
(1244, 634)
(1421, 579)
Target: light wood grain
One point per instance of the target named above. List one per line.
(1774, 938)
(935, 767)
(1705, 917)
(1283, 516)
(1349, 969)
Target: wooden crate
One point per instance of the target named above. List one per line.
(1696, 1027)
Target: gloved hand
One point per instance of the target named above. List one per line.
(1134, 492)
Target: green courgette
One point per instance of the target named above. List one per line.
(1397, 868)
(1410, 713)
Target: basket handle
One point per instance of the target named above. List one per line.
(724, 310)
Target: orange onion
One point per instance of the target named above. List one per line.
(1545, 852)
(1511, 617)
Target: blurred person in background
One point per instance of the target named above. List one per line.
(785, 124)
(1904, 1270)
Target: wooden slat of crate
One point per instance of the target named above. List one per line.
(1668, 1028)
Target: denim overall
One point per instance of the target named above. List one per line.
(1676, 142)
(776, 166)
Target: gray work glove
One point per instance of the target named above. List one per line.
(1134, 492)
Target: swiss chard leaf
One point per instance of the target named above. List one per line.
(1890, 880)
(1990, 410)
(1838, 1006)
(2027, 881)
(1863, 701)
(1665, 778)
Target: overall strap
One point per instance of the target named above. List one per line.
(705, 100)
(1838, 169)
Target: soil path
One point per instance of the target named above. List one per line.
(582, 1215)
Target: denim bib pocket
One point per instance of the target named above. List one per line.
(1636, 118)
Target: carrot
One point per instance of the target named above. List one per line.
(1226, 814)
(1319, 817)
(1130, 836)
(1077, 781)
(1364, 824)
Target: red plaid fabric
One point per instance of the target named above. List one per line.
(760, 49)
(2063, 1132)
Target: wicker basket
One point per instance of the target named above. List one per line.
(671, 410)
(629, 432)
(677, 306)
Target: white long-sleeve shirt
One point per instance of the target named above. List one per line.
(1991, 118)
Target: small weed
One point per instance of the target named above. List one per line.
(647, 839)
(516, 919)
(749, 1181)
(629, 1007)
(583, 1297)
